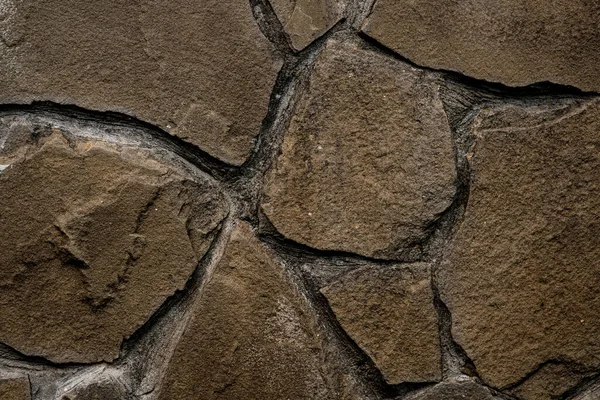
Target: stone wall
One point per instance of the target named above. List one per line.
(299, 199)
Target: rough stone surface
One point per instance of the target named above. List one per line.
(514, 42)
(251, 335)
(389, 313)
(465, 390)
(367, 164)
(95, 237)
(550, 382)
(305, 20)
(522, 274)
(14, 389)
(104, 390)
(201, 70)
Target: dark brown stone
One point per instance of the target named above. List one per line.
(201, 70)
(454, 390)
(15, 389)
(521, 276)
(389, 313)
(550, 382)
(305, 20)
(95, 237)
(515, 42)
(367, 164)
(251, 336)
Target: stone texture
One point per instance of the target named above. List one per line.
(95, 237)
(201, 70)
(454, 390)
(305, 20)
(251, 335)
(514, 42)
(14, 389)
(367, 164)
(389, 313)
(102, 390)
(550, 382)
(521, 276)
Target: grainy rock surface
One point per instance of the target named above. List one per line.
(550, 382)
(201, 70)
(100, 235)
(251, 335)
(521, 277)
(389, 313)
(454, 390)
(14, 389)
(345, 180)
(305, 20)
(514, 42)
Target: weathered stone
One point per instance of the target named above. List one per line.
(521, 276)
(367, 164)
(14, 389)
(94, 238)
(389, 313)
(251, 335)
(201, 70)
(102, 390)
(305, 20)
(456, 390)
(515, 42)
(548, 383)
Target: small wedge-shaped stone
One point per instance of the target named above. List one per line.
(15, 389)
(521, 276)
(389, 313)
(305, 20)
(454, 390)
(515, 42)
(94, 238)
(201, 70)
(367, 164)
(251, 335)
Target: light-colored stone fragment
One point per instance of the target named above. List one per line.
(454, 390)
(521, 276)
(367, 164)
(94, 238)
(201, 70)
(389, 313)
(515, 42)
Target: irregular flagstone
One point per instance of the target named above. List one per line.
(389, 313)
(15, 389)
(454, 390)
(203, 71)
(521, 276)
(305, 20)
(367, 164)
(549, 383)
(95, 236)
(515, 42)
(252, 336)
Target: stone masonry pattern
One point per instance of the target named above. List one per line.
(299, 199)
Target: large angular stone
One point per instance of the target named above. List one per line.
(251, 335)
(389, 313)
(14, 389)
(515, 42)
(454, 390)
(367, 164)
(305, 20)
(95, 236)
(550, 382)
(201, 70)
(521, 276)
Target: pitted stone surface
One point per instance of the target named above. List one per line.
(201, 70)
(515, 42)
(389, 313)
(14, 389)
(521, 276)
(465, 390)
(550, 382)
(367, 164)
(305, 20)
(95, 237)
(252, 335)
